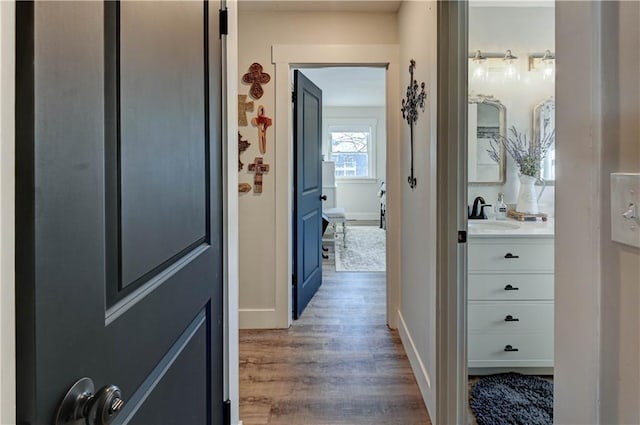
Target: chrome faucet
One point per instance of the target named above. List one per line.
(477, 212)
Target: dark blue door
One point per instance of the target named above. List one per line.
(307, 209)
(119, 213)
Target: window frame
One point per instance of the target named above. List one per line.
(354, 125)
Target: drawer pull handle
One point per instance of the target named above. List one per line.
(511, 288)
(510, 256)
(509, 348)
(510, 318)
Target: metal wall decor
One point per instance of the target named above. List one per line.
(414, 100)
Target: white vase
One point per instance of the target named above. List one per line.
(527, 199)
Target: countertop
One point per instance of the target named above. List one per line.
(492, 228)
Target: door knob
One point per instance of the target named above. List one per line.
(81, 404)
(323, 197)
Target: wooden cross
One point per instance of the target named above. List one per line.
(259, 168)
(243, 108)
(263, 122)
(256, 78)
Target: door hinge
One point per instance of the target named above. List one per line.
(462, 236)
(226, 408)
(293, 97)
(293, 280)
(224, 22)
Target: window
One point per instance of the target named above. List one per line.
(351, 147)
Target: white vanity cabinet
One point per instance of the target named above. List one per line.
(510, 301)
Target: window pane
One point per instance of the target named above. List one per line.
(349, 141)
(350, 151)
(351, 164)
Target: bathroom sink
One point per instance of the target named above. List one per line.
(492, 226)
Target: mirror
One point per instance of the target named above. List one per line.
(487, 118)
(544, 122)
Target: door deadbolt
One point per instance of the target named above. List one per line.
(82, 405)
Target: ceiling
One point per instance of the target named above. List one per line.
(247, 6)
(256, 6)
(349, 86)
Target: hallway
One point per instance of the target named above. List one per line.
(338, 364)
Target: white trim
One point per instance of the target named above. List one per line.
(580, 82)
(451, 326)
(7, 213)
(285, 57)
(418, 367)
(259, 318)
(231, 226)
(362, 216)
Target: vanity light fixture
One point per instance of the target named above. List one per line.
(480, 72)
(510, 72)
(544, 61)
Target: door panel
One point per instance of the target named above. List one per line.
(119, 272)
(308, 190)
(162, 134)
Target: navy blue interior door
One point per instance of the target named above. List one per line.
(119, 211)
(307, 144)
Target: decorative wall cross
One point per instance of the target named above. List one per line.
(243, 145)
(262, 122)
(259, 168)
(243, 107)
(256, 78)
(410, 105)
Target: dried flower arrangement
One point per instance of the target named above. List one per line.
(526, 152)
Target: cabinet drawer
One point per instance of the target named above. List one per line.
(511, 256)
(522, 287)
(512, 317)
(488, 350)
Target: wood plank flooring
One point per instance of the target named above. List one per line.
(338, 365)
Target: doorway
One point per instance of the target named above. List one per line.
(353, 168)
(511, 177)
(286, 57)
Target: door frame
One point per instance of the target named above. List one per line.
(285, 57)
(451, 261)
(577, 341)
(7, 212)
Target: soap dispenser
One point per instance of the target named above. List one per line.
(501, 208)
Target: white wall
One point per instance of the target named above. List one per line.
(359, 196)
(7, 208)
(620, 327)
(524, 30)
(263, 261)
(418, 23)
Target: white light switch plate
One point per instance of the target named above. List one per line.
(625, 199)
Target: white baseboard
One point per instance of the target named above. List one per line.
(362, 216)
(260, 319)
(240, 423)
(419, 370)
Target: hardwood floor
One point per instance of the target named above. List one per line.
(338, 365)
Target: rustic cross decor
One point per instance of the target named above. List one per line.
(410, 105)
(262, 122)
(256, 78)
(243, 145)
(243, 108)
(259, 168)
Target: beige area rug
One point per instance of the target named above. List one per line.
(364, 250)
